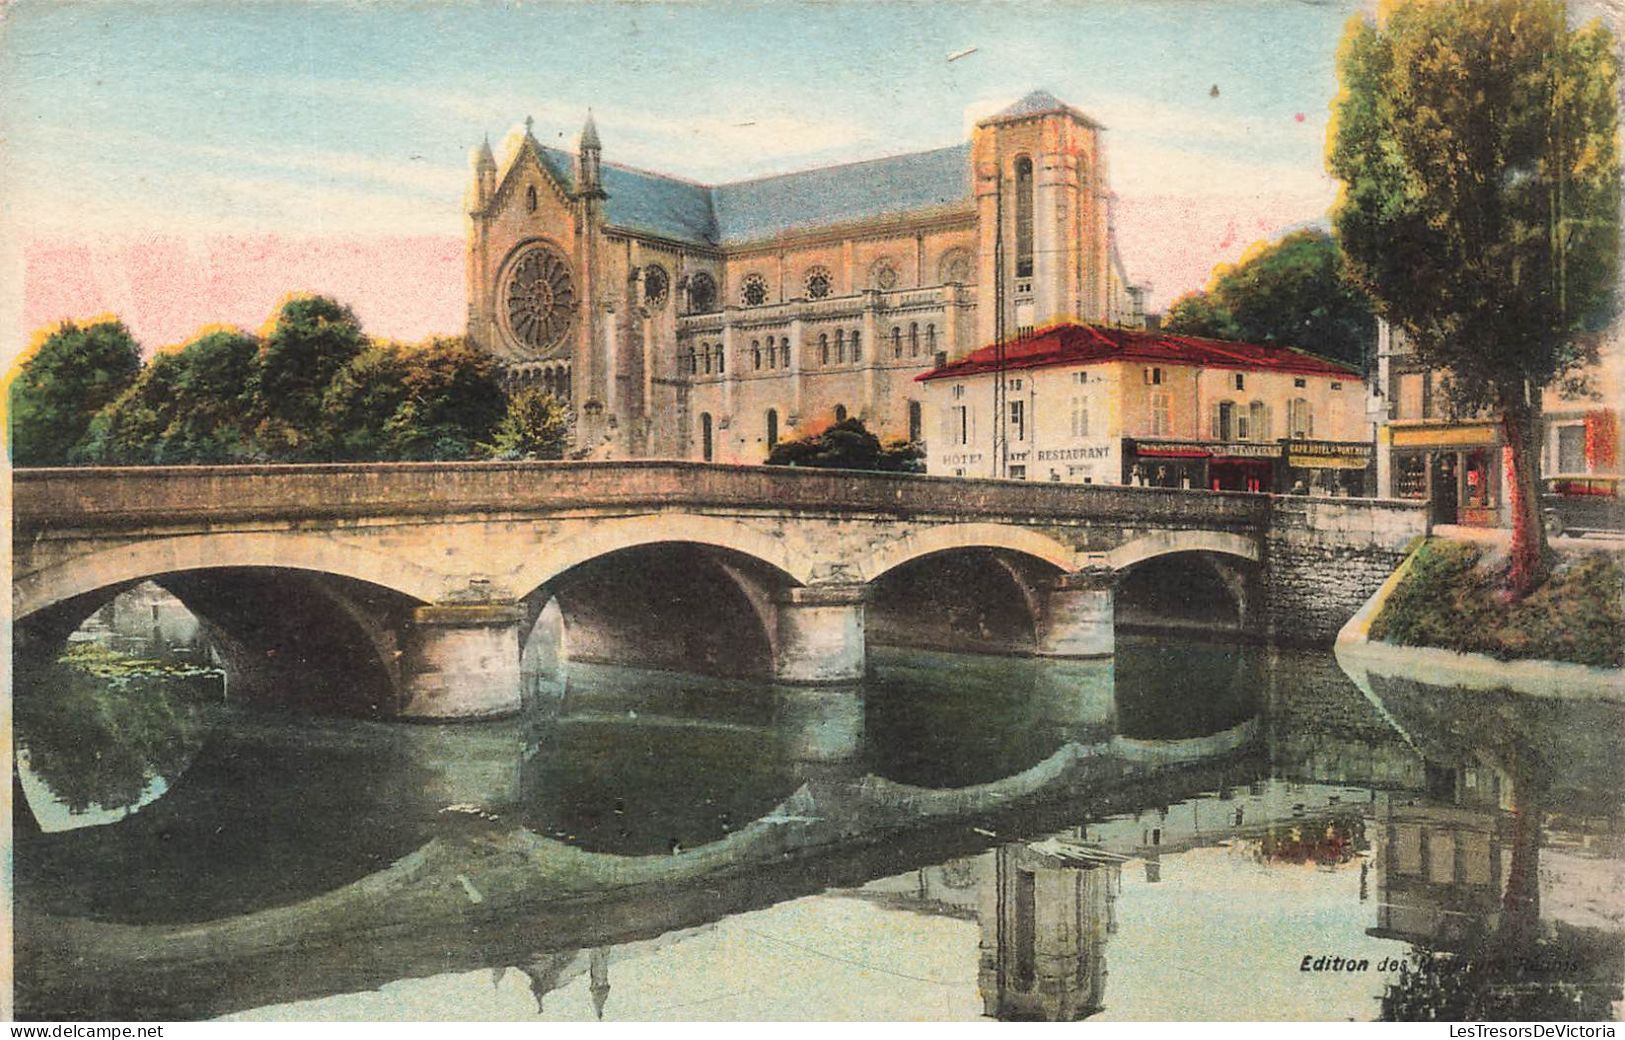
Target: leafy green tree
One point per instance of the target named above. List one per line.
(439, 399)
(847, 445)
(187, 406)
(536, 425)
(1292, 292)
(311, 340)
(360, 402)
(73, 373)
(453, 401)
(1478, 144)
(1200, 314)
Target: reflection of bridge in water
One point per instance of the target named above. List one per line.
(484, 892)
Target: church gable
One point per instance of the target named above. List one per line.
(527, 169)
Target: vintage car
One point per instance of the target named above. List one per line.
(1583, 504)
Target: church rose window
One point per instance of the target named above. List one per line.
(539, 297)
(818, 283)
(883, 275)
(656, 285)
(753, 290)
(702, 294)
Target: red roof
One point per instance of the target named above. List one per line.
(1075, 344)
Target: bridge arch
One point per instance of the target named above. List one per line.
(1165, 543)
(1187, 579)
(975, 587)
(283, 550)
(915, 545)
(604, 537)
(670, 590)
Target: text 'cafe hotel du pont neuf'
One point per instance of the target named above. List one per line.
(1092, 404)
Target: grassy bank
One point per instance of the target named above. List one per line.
(1450, 599)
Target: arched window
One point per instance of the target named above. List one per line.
(823, 348)
(718, 349)
(772, 428)
(1024, 217)
(784, 351)
(857, 354)
(840, 413)
(840, 346)
(530, 198)
(755, 354)
(930, 339)
(913, 339)
(705, 436)
(705, 349)
(896, 342)
(915, 424)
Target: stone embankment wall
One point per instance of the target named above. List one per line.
(1324, 557)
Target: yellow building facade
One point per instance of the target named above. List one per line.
(709, 321)
(1100, 405)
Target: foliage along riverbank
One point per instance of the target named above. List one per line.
(1452, 599)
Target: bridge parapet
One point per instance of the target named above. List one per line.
(94, 497)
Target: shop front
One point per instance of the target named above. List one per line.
(1342, 468)
(1215, 465)
(1456, 469)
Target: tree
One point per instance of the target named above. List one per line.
(72, 374)
(1292, 292)
(1477, 142)
(847, 445)
(439, 399)
(452, 401)
(187, 406)
(536, 425)
(310, 341)
(1201, 314)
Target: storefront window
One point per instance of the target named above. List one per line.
(1480, 478)
(1410, 475)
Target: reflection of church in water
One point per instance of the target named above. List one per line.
(1047, 910)
(708, 321)
(1044, 910)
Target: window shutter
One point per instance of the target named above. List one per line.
(1216, 424)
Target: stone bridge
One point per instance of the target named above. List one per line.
(440, 590)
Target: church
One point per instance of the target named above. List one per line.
(710, 321)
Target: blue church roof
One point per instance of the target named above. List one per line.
(854, 191)
(699, 214)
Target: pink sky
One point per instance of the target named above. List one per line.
(167, 287)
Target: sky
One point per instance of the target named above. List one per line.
(182, 164)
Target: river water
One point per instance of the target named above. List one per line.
(1191, 831)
